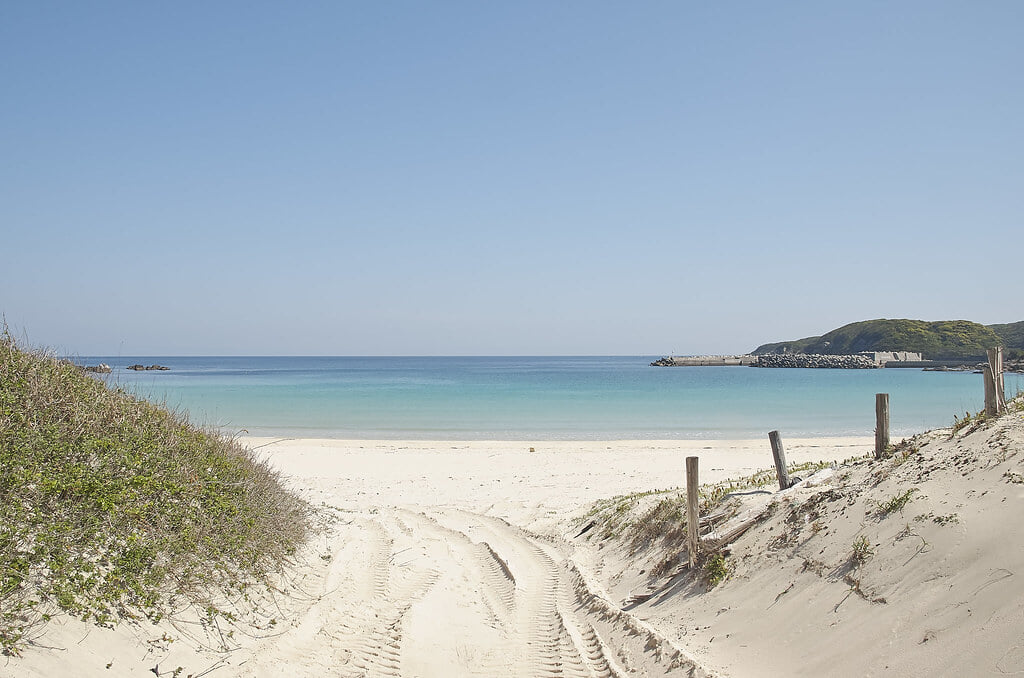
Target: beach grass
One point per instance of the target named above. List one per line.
(112, 507)
(659, 516)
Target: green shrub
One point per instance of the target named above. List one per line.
(716, 570)
(111, 506)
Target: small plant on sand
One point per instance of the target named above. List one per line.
(902, 451)
(861, 550)
(951, 519)
(959, 423)
(716, 570)
(974, 421)
(896, 502)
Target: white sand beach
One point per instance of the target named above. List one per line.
(466, 559)
(535, 489)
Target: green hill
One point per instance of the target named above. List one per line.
(935, 340)
(112, 507)
(1012, 335)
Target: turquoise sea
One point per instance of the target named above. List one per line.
(541, 398)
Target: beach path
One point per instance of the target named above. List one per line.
(449, 592)
(456, 559)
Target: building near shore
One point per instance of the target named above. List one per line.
(883, 357)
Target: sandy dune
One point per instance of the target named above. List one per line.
(441, 559)
(468, 559)
(907, 566)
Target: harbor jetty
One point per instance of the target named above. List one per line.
(816, 360)
(704, 361)
(859, 361)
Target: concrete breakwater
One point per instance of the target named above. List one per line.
(704, 361)
(845, 362)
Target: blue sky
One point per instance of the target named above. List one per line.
(504, 178)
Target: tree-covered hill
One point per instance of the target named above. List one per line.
(935, 340)
(1012, 335)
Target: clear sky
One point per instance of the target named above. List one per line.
(439, 178)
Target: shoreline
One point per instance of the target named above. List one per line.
(685, 439)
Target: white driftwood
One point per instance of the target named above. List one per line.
(715, 540)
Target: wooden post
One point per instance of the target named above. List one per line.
(995, 365)
(780, 460)
(991, 405)
(1000, 384)
(692, 510)
(881, 424)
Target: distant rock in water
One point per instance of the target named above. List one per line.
(102, 368)
(143, 368)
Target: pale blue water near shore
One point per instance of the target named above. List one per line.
(543, 398)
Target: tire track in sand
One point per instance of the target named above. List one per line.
(464, 623)
(451, 593)
(570, 628)
(355, 627)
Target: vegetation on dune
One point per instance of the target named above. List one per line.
(651, 526)
(936, 340)
(113, 507)
(657, 519)
(716, 570)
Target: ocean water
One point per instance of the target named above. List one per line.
(541, 398)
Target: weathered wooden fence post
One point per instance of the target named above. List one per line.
(881, 424)
(990, 390)
(692, 510)
(995, 395)
(780, 460)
